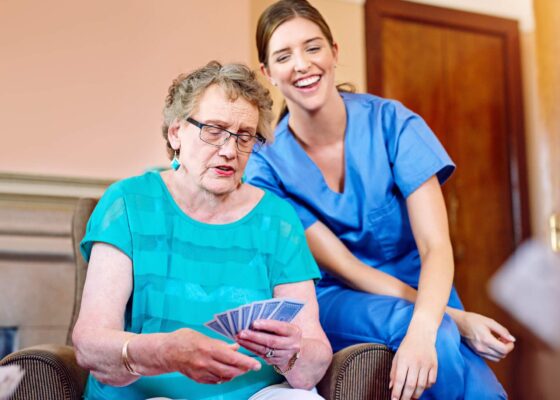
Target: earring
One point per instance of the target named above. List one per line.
(175, 163)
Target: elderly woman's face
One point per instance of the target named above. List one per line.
(217, 170)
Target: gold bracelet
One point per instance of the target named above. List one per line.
(126, 361)
(291, 364)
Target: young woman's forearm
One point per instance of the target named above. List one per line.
(434, 287)
(332, 255)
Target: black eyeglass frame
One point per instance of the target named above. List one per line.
(201, 125)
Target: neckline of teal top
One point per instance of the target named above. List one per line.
(193, 221)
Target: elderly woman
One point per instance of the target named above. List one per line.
(169, 250)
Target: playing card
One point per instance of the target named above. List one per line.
(268, 308)
(223, 320)
(244, 315)
(287, 310)
(216, 327)
(229, 323)
(256, 308)
(234, 320)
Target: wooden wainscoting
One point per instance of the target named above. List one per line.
(36, 260)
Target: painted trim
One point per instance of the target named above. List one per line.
(51, 186)
(36, 248)
(521, 10)
(359, 2)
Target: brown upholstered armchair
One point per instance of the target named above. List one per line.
(51, 372)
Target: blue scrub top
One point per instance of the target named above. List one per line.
(389, 152)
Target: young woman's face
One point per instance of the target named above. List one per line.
(301, 64)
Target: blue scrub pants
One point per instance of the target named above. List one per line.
(350, 317)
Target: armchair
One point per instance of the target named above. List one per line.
(51, 371)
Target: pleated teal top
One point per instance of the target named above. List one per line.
(185, 271)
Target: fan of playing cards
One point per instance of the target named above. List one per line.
(231, 322)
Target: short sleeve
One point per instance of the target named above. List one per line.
(109, 223)
(261, 174)
(415, 153)
(293, 261)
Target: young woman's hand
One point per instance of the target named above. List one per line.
(485, 336)
(414, 366)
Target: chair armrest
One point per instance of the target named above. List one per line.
(51, 372)
(360, 371)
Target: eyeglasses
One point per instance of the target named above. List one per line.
(218, 137)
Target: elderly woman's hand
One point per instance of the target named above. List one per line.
(206, 360)
(275, 341)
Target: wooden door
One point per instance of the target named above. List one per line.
(460, 71)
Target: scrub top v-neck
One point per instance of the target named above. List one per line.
(389, 152)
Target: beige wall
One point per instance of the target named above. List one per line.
(83, 83)
(545, 130)
(547, 32)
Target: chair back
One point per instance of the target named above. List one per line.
(82, 212)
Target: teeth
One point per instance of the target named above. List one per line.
(307, 81)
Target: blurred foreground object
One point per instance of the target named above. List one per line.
(10, 376)
(528, 287)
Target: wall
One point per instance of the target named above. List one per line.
(546, 131)
(547, 15)
(83, 83)
(521, 10)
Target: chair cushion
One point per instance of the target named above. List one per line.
(51, 372)
(358, 372)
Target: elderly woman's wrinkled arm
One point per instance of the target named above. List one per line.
(99, 334)
(316, 351)
(300, 350)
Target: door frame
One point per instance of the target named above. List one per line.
(506, 30)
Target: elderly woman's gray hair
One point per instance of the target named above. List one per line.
(235, 79)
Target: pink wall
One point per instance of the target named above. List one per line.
(82, 84)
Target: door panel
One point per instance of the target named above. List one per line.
(477, 141)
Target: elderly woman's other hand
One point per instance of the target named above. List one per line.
(204, 359)
(299, 350)
(275, 341)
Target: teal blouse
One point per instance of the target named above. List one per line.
(185, 271)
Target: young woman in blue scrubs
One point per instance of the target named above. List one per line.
(364, 175)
